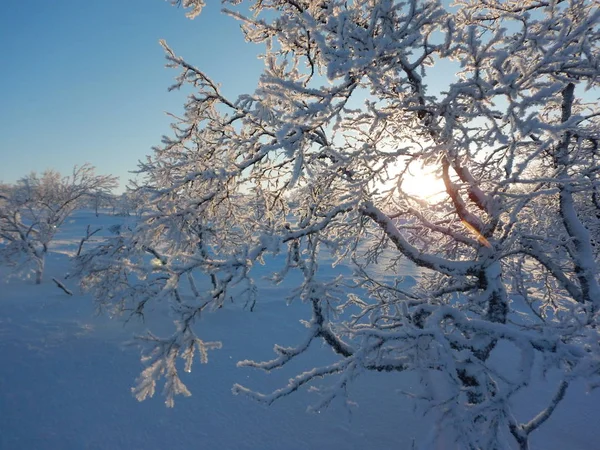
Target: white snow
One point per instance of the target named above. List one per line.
(65, 378)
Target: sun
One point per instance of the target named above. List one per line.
(423, 183)
(420, 181)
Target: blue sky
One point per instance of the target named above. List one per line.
(85, 81)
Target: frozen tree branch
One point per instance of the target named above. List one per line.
(315, 165)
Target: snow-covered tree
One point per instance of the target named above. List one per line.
(317, 161)
(102, 198)
(32, 211)
(134, 201)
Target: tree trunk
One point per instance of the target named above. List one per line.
(39, 272)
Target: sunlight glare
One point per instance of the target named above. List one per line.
(423, 183)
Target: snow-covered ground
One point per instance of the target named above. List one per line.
(65, 377)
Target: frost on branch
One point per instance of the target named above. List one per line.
(161, 363)
(195, 6)
(312, 167)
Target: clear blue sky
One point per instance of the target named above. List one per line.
(85, 81)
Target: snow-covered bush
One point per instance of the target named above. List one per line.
(132, 202)
(355, 96)
(33, 210)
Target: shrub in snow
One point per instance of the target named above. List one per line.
(33, 210)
